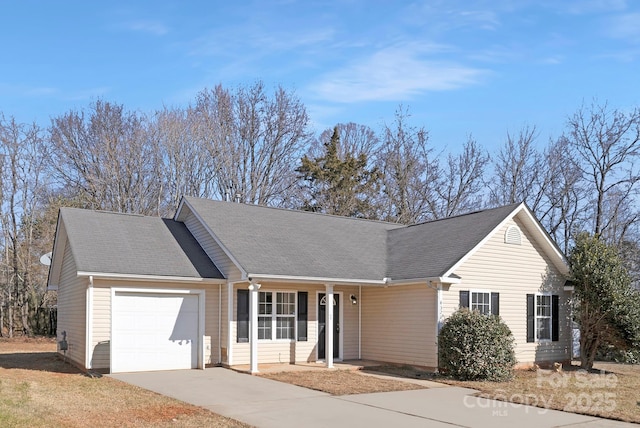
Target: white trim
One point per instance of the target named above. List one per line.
(89, 327)
(176, 291)
(359, 322)
(444, 280)
(480, 291)
(220, 324)
(562, 266)
(204, 224)
(230, 319)
(341, 318)
(535, 317)
(154, 278)
(59, 246)
(316, 280)
(274, 315)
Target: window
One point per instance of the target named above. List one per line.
(265, 315)
(543, 317)
(485, 302)
(282, 320)
(286, 312)
(481, 302)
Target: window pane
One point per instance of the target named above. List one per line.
(481, 302)
(544, 328)
(286, 304)
(264, 327)
(265, 300)
(285, 328)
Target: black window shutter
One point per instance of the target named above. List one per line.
(495, 303)
(531, 318)
(464, 299)
(243, 316)
(302, 315)
(555, 318)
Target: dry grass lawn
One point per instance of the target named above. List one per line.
(611, 391)
(37, 389)
(340, 382)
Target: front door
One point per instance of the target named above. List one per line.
(322, 317)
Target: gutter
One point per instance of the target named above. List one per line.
(154, 278)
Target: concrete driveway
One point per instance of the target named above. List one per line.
(267, 403)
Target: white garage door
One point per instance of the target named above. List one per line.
(154, 331)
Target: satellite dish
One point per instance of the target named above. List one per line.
(46, 259)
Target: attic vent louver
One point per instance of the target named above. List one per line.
(513, 236)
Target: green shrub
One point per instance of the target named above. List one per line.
(472, 346)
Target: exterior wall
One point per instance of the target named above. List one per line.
(514, 271)
(101, 332)
(72, 309)
(213, 250)
(291, 351)
(399, 325)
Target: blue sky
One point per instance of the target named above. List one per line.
(461, 66)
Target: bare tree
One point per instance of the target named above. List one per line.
(187, 167)
(607, 144)
(563, 212)
(23, 157)
(108, 157)
(409, 172)
(460, 187)
(255, 140)
(518, 171)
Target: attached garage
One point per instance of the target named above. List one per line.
(157, 329)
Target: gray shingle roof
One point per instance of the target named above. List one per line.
(297, 243)
(431, 249)
(109, 242)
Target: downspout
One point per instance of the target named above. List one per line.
(229, 321)
(438, 321)
(219, 323)
(359, 322)
(89, 324)
(438, 317)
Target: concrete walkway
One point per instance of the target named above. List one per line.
(267, 403)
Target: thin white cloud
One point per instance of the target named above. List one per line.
(154, 28)
(625, 26)
(580, 7)
(553, 60)
(394, 73)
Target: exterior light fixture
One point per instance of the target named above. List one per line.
(354, 299)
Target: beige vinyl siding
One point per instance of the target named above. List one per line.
(102, 317)
(212, 324)
(211, 247)
(101, 335)
(72, 309)
(291, 351)
(399, 325)
(515, 271)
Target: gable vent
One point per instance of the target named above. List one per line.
(513, 236)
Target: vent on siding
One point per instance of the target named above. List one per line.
(513, 236)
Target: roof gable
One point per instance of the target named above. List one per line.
(107, 242)
(282, 242)
(433, 248)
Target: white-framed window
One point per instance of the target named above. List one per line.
(544, 316)
(481, 302)
(276, 315)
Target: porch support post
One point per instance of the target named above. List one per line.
(253, 326)
(329, 327)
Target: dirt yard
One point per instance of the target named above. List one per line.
(341, 382)
(37, 389)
